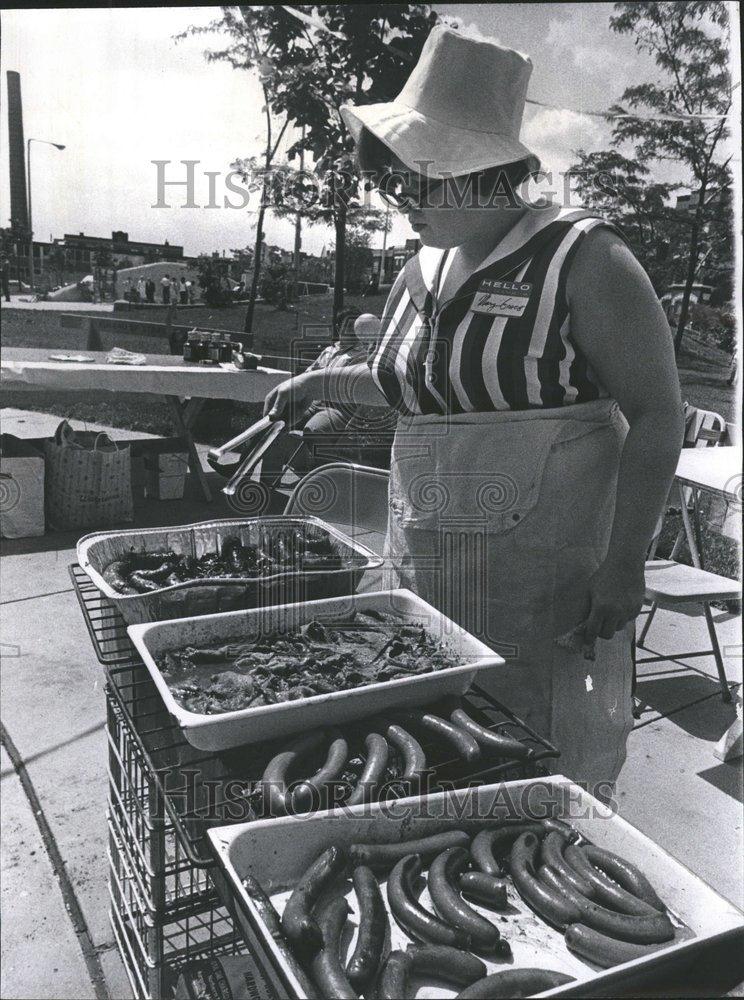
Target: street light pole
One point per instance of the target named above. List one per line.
(46, 142)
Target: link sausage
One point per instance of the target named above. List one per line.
(552, 906)
(411, 914)
(274, 779)
(314, 791)
(374, 768)
(373, 925)
(327, 970)
(432, 962)
(297, 923)
(514, 983)
(450, 906)
(484, 889)
(625, 873)
(386, 855)
(604, 951)
(504, 746)
(651, 929)
(551, 855)
(414, 758)
(606, 891)
(462, 742)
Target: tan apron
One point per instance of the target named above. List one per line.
(498, 520)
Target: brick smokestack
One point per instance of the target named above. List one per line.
(17, 148)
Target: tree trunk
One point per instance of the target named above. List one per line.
(338, 277)
(248, 325)
(692, 265)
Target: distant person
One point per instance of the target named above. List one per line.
(128, 289)
(165, 288)
(324, 424)
(150, 290)
(183, 292)
(5, 276)
(191, 290)
(141, 289)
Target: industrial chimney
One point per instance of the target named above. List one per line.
(18, 198)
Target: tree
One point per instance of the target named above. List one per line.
(250, 47)
(57, 262)
(103, 262)
(363, 55)
(623, 191)
(686, 111)
(212, 272)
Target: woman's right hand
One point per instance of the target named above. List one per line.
(288, 400)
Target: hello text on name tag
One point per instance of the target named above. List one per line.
(501, 298)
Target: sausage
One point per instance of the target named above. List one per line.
(503, 746)
(622, 871)
(374, 768)
(514, 983)
(650, 929)
(115, 575)
(313, 791)
(393, 984)
(450, 906)
(605, 890)
(297, 923)
(484, 889)
(463, 743)
(270, 918)
(386, 855)
(414, 758)
(373, 925)
(327, 970)
(411, 915)
(431, 961)
(552, 906)
(604, 951)
(490, 844)
(551, 855)
(141, 583)
(274, 780)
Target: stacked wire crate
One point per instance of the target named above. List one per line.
(164, 911)
(170, 906)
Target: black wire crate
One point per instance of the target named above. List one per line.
(202, 789)
(195, 790)
(154, 951)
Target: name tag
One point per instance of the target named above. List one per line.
(501, 298)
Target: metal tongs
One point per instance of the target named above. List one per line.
(265, 431)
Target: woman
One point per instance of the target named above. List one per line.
(323, 422)
(540, 417)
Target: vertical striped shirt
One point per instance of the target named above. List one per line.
(503, 342)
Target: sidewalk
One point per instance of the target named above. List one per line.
(57, 941)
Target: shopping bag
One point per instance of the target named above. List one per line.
(88, 480)
(21, 489)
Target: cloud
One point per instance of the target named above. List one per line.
(555, 134)
(565, 37)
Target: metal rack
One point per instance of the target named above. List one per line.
(164, 795)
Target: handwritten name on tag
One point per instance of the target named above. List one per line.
(501, 298)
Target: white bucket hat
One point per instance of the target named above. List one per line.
(459, 112)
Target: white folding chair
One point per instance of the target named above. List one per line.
(344, 493)
(670, 583)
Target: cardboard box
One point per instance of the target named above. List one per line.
(21, 489)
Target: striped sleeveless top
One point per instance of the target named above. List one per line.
(504, 341)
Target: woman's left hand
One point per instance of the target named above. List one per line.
(616, 596)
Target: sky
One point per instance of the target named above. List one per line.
(119, 92)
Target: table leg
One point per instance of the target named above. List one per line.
(184, 414)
